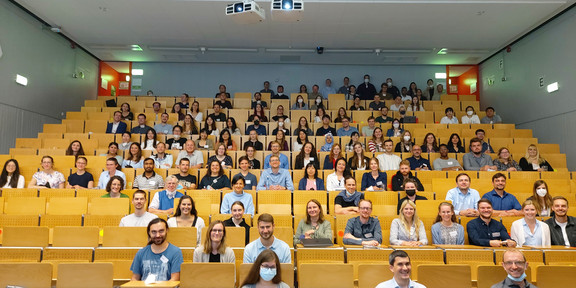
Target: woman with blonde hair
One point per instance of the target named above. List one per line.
(406, 143)
(214, 248)
(314, 226)
(541, 198)
(446, 229)
(533, 161)
(530, 231)
(407, 229)
(504, 162)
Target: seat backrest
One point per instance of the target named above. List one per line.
(548, 276)
(109, 206)
(84, 236)
(432, 275)
(207, 275)
(85, 275)
(67, 206)
(370, 275)
(489, 275)
(25, 205)
(20, 254)
(26, 274)
(25, 236)
(183, 236)
(341, 275)
(124, 237)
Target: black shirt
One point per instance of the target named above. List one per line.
(176, 144)
(418, 197)
(254, 164)
(214, 182)
(277, 117)
(220, 117)
(185, 181)
(230, 223)
(258, 146)
(323, 131)
(214, 258)
(81, 180)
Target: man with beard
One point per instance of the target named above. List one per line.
(476, 160)
(149, 180)
(562, 226)
(485, 231)
(140, 217)
(159, 260)
(363, 230)
(504, 203)
(266, 241)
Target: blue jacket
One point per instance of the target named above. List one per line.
(319, 184)
(121, 128)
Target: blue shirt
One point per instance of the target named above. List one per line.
(463, 201)
(250, 181)
(418, 163)
(261, 130)
(284, 162)
(269, 178)
(368, 180)
(232, 197)
(343, 132)
(105, 177)
(480, 233)
(254, 248)
(532, 239)
(325, 91)
(162, 264)
(366, 232)
(504, 203)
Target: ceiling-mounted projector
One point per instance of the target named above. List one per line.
(287, 10)
(246, 12)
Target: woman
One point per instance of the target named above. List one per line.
(281, 126)
(415, 105)
(10, 177)
(265, 272)
(356, 105)
(237, 211)
(317, 104)
(446, 229)
(412, 89)
(214, 249)
(376, 144)
(48, 177)
(455, 144)
(504, 162)
(186, 215)
(311, 180)
(113, 152)
(532, 161)
(238, 194)
(358, 161)
(300, 140)
(258, 111)
(300, 103)
(125, 145)
(315, 226)
(254, 163)
(429, 91)
(281, 138)
(319, 113)
(395, 130)
(177, 109)
(134, 158)
(203, 143)
(195, 112)
(449, 118)
(210, 126)
(328, 143)
(354, 138)
(335, 181)
(226, 140)
(81, 179)
(232, 127)
(307, 155)
(221, 157)
(75, 149)
(430, 144)
(541, 199)
(530, 231)
(341, 115)
(351, 93)
(126, 113)
(407, 229)
(176, 142)
(375, 180)
(215, 178)
(189, 125)
(303, 125)
(335, 154)
(114, 188)
(405, 145)
(303, 89)
(150, 142)
(250, 180)
(470, 117)
(280, 115)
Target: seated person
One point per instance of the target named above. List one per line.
(267, 241)
(444, 163)
(215, 179)
(503, 203)
(134, 157)
(417, 162)
(162, 159)
(258, 112)
(504, 162)
(347, 200)
(163, 201)
(346, 129)
(356, 105)
(221, 156)
(254, 163)
(163, 127)
(307, 155)
(325, 129)
(253, 141)
(464, 198)
(405, 144)
(335, 154)
(403, 174)
(388, 160)
(117, 126)
(250, 180)
(218, 116)
(470, 117)
(384, 118)
(237, 211)
(455, 144)
(410, 188)
(280, 94)
(280, 115)
(223, 101)
(186, 215)
(141, 128)
(140, 217)
(485, 231)
(177, 142)
(275, 148)
(314, 226)
(275, 177)
(335, 181)
(449, 118)
(114, 188)
(48, 177)
(149, 180)
(260, 129)
(214, 248)
(81, 179)
(397, 103)
(408, 229)
(376, 105)
(562, 226)
(491, 117)
(374, 180)
(537, 234)
(258, 100)
(363, 230)
(185, 179)
(112, 169)
(446, 229)
(300, 104)
(480, 134)
(533, 161)
(237, 194)
(11, 177)
(476, 160)
(311, 180)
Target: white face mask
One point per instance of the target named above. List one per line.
(366, 80)
(470, 113)
(300, 101)
(541, 192)
(176, 137)
(395, 125)
(259, 102)
(318, 100)
(406, 138)
(280, 124)
(389, 84)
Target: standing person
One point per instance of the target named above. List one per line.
(464, 198)
(158, 259)
(562, 226)
(485, 231)
(10, 177)
(446, 229)
(186, 215)
(214, 248)
(363, 230)
(237, 194)
(366, 90)
(401, 268)
(140, 217)
(267, 241)
(530, 231)
(48, 177)
(266, 272)
(515, 265)
(237, 219)
(81, 179)
(345, 88)
(408, 229)
(314, 226)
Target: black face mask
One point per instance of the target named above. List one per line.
(402, 112)
(410, 192)
(256, 122)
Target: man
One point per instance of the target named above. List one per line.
(253, 141)
(515, 265)
(388, 160)
(196, 158)
(161, 158)
(325, 129)
(417, 162)
(404, 94)
(223, 101)
(383, 94)
(186, 180)
(391, 88)
(485, 146)
(117, 126)
(112, 169)
(184, 98)
(384, 118)
(363, 230)
(366, 90)
(260, 129)
(491, 117)
(149, 180)
(562, 226)
(401, 268)
(327, 90)
(222, 89)
(403, 174)
(346, 129)
(258, 100)
(280, 94)
(142, 128)
(280, 115)
(440, 90)
(159, 260)
(266, 88)
(267, 241)
(505, 204)
(428, 92)
(411, 189)
(315, 92)
(163, 201)
(444, 163)
(376, 105)
(275, 177)
(218, 116)
(347, 201)
(156, 109)
(449, 118)
(177, 142)
(485, 231)
(464, 198)
(163, 127)
(275, 148)
(140, 217)
(368, 131)
(345, 89)
(476, 160)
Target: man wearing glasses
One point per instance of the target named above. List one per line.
(363, 230)
(514, 262)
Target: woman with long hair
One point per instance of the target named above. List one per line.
(281, 139)
(354, 138)
(320, 111)
(250, 152)
(303, 89)
(210, 126)
(114, 188)
(150, 142)
(358, 161)
(189, 125)
(300, 140)
(303, 125)
(314, 226)
(215, 178)
(203, 143)
(113, 152)
(335, 181)
(430, 144)
(341, 114)
(221, 156)
(374, 180)
(311, 181)
(307, 155)
(446, 229)
(395, 129)
(335, 154)
(529, 231)
(300, 103)
(376, 144)
(532, 161)
(237, 219)
(186, 215)
(405, 144)
(408, 229)
(258, 111)
(415, 105)
(214, 248)
(504, 162)
(455, 144)
(126, 113)
(541, 199)
(226, 139)
(134, 158)
(75, 149)
(48, 177)
(265, 272)
(195, 112)
(10, 177)
(177, 109)
(232, 127)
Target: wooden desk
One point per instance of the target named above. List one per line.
(159, 284)
(443, 246)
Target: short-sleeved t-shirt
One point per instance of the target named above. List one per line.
(187, 180)
(215, 182)
(340, 201)
(81, 180)
(162, 264)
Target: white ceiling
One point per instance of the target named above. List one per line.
(413, 30)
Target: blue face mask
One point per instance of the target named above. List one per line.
(267, 273)
(519, 279)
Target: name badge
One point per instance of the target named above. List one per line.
(453, 233)
(368, 235)
(248, 181)
(495, 234)
(450, 162)
(223, 163)
(164, 259)
(206, 146)
(152, 182)
(311, 158)
(379, 183)
(215, 180)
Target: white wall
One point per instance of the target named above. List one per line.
(48, 62)
(549, 53)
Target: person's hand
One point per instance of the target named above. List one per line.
(510, 243)
(308, 234)
(511, 169)
(495, 243)
(170, 211)
(370, 243)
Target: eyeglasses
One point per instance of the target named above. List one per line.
(217, 230)
(365, 208)
(517, 263)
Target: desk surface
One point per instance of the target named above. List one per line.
(159, 284)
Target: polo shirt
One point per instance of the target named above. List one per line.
(254, 248)
(153, 182)
(463, 201)
(418, 163)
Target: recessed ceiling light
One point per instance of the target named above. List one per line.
(21, 80)
(136, 47)
(443, 51)
(552, 87)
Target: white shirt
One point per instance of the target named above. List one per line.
(392, 284)
(19, 185)
(564, 235)
(333, 184)
(472, 120)
(446, 120)
(155, 203)
(389, 162)
(115, 126)
(137, 221)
